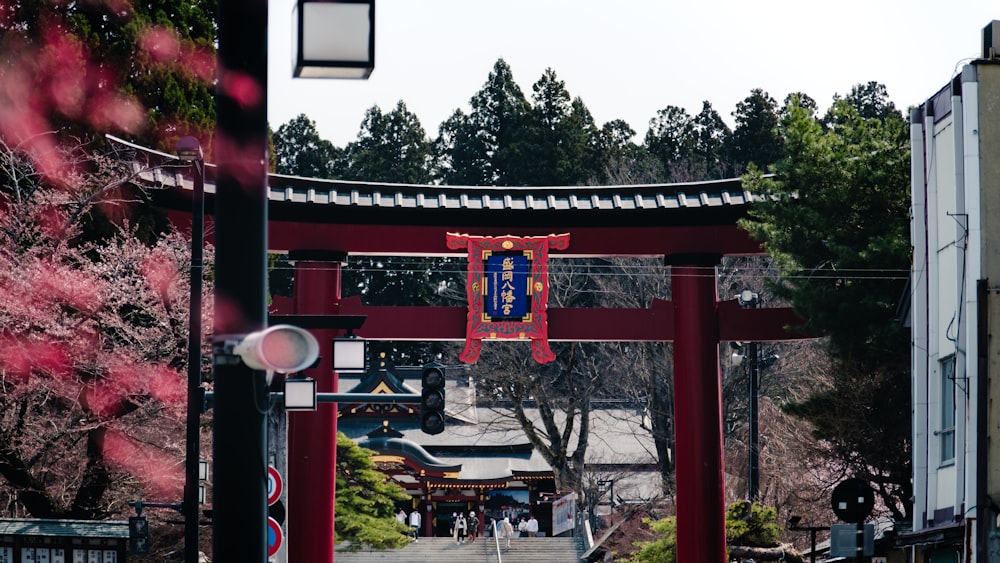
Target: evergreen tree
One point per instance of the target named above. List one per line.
(479, 148)
(799, 98)
(391, 147)
(755, 138)
(712, 140)
(836, 221)
(556, 142)
(871, 100)
(365, 501)
(672, 139)
(300, 151)
(620, 161)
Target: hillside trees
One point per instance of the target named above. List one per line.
(88, 68)
(836, 222)
(671, 139)
(552, 140)
(93, 350)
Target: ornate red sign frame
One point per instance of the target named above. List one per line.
(534, 325)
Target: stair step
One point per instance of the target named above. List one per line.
(444, 550)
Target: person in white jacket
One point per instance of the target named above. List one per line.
(532, 527)
(415, 524)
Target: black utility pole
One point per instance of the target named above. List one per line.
(195, 395)
(751, 300)
(754, 469)
(241, 398)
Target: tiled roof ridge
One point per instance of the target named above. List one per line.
(353, 194)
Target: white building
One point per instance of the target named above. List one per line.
(955, 141)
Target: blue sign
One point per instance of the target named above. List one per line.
(507, 286)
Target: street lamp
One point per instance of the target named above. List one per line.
(334, 38)
(300, 394)
(350, 354)
(189, 151)
(607, 486)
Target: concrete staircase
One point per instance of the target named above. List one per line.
(444, 550)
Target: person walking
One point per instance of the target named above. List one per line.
(532, 527)
(401, 516)
(473, 527)
(415, 524)
(506, 532)
(451, 527)
(461, 527)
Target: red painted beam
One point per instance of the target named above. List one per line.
(425, 240)
(584, 241)
(654, 324)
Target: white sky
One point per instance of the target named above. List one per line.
(627, 59)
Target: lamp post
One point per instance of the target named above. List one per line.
(189, 150)
(751, 300)
(239, 507)
(241, 394)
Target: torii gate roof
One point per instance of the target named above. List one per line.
(371, 218)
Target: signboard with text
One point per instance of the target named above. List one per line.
(507, 289)
(563, 514)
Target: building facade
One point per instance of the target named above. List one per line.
(955, 142)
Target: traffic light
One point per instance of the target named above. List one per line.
(432, 398)
(138, 536)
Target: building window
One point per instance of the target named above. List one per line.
(947, 431)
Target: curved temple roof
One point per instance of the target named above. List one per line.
(410, 450)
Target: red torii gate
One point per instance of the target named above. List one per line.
(690, 225)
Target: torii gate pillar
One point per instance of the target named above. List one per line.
(701, 520)
(312, 447)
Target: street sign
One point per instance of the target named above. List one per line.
(852, 540)
(274, 485)
(274, 537)
(852, 500)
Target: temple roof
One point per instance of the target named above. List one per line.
(495, 448)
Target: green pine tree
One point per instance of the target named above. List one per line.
(836, 220)
(366, 499)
